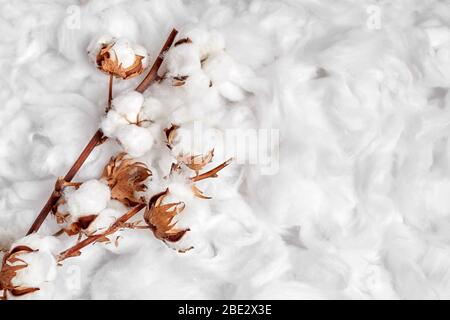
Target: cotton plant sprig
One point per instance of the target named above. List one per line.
(98, 138)
(96, 209)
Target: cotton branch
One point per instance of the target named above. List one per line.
(98, 137)
(75, 250)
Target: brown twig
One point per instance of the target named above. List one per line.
(110, 89)
(75, 250)
(98, 136)
(153, 73)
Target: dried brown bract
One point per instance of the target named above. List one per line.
(170, 134)
(125, 177)
(159, 217)
(199, 193)
(196, 162)
(11, 264)
(179, 81)
(80, 225)
(182, 41)
(108, 63)
(211, 173)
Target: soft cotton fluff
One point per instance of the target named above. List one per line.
(128, 124)
(41, 264)
(128, 105)
(196, 138)
(90, 198)
(106, 217)
(204, 63)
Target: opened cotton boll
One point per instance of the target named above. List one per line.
(221, 68)
(118, 57)
(135, 140)
(152, 109)
(90, 198)
(105, 218)
(41, 267)
(208, 43)
(111, 122)
(183, 60)
(28, 265)
(128, 105)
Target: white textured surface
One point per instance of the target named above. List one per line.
(360, 206)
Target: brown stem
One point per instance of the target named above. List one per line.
(68, 177)
(153, 73)
(110, 89)
(75, 250)
(98, 137)
(211, 173)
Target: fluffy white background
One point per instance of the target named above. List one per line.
(360, 207)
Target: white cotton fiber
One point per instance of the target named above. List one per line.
(124, 53)
(41, 268)
(105, 219)
(127, 121)
(183, 60)
(152, 109)
(208, 42)
(196, 138)
(112, 122)
(41, 264)
(135, 140)
(141, 51)
(90, 198)
(128, 105)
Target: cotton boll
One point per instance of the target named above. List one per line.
(135, 140)
(41, 267)
(220, 68)
(112, 122)
(90, 198)
(124, 52)
(152, 109)
(118, 56)
(208, 43)
(40, 263)
(183, 60)
(38, 242)
(104, 220)
(231, 91)
(197, 85)
(128, 105)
